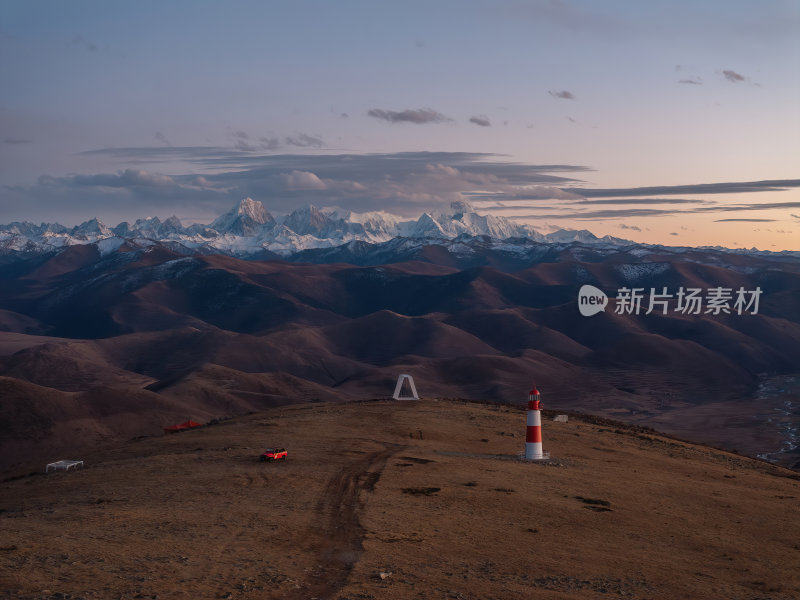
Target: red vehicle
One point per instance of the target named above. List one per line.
(271, 454)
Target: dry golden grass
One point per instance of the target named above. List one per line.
(427, 493)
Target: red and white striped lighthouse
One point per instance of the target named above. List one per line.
(533, 433)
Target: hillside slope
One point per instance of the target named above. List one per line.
(428, 493)
(216, 336)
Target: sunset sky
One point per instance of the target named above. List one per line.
(672, 122)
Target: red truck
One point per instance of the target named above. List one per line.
(271, 454)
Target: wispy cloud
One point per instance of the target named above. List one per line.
(124, 179)
(303, 140)
(758, 206)
(563, 94)
(247, 142)
(566, 212)
(744, 220)
(481, 120)
(692, 81)
(771, 185)
(419, 116)
(611, 213)
(732, 76)
(631, 227)
(15, 141)
(272, 143)
(242, 141)
(624, 207)
(568, 16)
(162, 138)
(81, 42)
(644, 201)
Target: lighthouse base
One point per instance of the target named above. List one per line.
(533, 451)
(545, 457)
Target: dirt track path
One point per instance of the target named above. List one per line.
(339, 510)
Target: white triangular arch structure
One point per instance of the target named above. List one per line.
(398, 388)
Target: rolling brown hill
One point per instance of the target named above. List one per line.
(399, 500)
(225, 336)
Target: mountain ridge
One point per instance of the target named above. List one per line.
(249, 229)
(310, 234)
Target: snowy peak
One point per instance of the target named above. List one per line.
(566, 236)
(27, 228)
(308, 220)
(92, 228)
(427, 226)
(152, 228)
(247, 218)
(254, 210)
(377, 226)
(173, 224)
(464, 220)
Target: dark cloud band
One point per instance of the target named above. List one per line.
(562, 95)
(419, 116)
(772, 185)
(481, 121)
(745, 220)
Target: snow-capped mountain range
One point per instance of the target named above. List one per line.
(249, 229)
